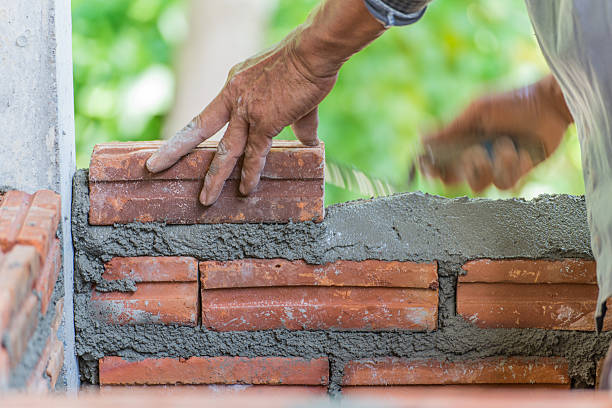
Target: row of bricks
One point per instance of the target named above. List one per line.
(268, 294)
(30, 262)
(256, 294)
(122, 190)
(548, 372)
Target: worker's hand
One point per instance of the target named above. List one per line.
(536, 114)
(280, 87)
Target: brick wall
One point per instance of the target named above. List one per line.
(403, 291)
(31, 304)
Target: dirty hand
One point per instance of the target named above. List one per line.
(536, 114)
(279, 87)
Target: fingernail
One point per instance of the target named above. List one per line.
(150, 164)
(203, 197)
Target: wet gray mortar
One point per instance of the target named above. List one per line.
(413, 226)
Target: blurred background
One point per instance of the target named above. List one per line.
(144, 68)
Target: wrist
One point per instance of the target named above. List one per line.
(333, 32)
(551, 91)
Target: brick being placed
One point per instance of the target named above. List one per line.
(253, 294)
(122, 190)
(545, 294)
(165, 291)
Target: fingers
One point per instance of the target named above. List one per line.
(503, 166)
(506, 170)
(305, 128)
(206, 124)
(477, 168)
(257, 149)
(230, 148)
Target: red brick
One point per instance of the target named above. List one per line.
(152, 303)
(48, 276)
(319, 308)
(288, 159)
(549, 306)
(559, 295)
(12, 214)
(56, 362)
(20, 267)
(530, 271)
(37, 382)
(152, 269)
(41, 221)
(492, 371)
(21, 329)
(279, 272)
(215, 370)
(122, 190)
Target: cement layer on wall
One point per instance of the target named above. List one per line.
(413, 227)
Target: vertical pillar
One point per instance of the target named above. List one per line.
(37, 148)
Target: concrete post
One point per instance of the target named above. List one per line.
(37, 148)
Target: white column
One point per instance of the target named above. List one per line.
(37, 119)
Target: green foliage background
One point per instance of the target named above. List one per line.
(410, 81)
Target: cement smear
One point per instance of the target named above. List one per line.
(403, 227)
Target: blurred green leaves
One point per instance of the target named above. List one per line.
(123, 55)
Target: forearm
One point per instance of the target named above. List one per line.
(333, 32)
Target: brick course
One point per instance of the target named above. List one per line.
(123, 191)
(215, 370)
(48, 275)
(19, 269)
(559, 295)
(500, 371)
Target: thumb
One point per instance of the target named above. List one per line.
(305, 128)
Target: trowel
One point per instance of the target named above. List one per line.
(441, 155)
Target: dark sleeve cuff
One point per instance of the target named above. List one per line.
(390, 16)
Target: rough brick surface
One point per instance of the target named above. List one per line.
(279, 272)
(18, 271)
(123, 191)
(493, 371)
(39, 381)
(152, 303)
(220, 390)
(41, 221)
(530, 271)
(152, 269)
(215, 370)
(319, 308)
(12, 214)
(48, 276)
(558, 295)
(21, 329)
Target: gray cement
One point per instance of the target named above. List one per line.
(403, 227)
